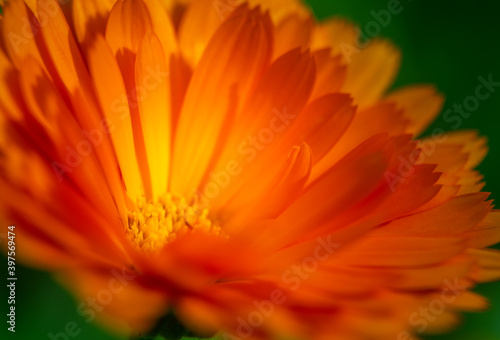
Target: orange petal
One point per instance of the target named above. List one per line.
(180, 75)
(72, 70)
(421, 103)
(430, 277)
(402, 251)
(331, 73)
(338, 35)
(276, 194)
(471, 302)
(322, 124)
(112, 96)
(20, 38)
(292, 32)
(486, 233)
(489, 262)
(90, 18)
(383, 117)
(212, 89)
(9, 86)
(354, 178)
(418, 182)
(130, 301)
(449, 158)
(128, 22)
(279, 98)
(162, 26)
(54, 229)
(475, 146)
(457, 216)
(372, 71)
(198, 25)
(63, 148)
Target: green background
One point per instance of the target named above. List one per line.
(449, 44)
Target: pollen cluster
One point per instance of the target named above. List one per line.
(151, 225)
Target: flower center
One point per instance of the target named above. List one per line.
(151, 225)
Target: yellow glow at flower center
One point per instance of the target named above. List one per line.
(152, 225)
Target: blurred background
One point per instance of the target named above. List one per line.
(449, 44)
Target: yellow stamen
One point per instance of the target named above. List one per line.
(151, 225)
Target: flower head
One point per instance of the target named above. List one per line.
(239, 165)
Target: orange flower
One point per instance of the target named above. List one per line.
(239, 165)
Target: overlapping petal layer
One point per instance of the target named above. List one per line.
(323, 212)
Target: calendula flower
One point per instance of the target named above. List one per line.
(238, 167)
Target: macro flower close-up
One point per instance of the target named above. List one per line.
(238, 170)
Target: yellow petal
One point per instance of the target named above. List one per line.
(421, 104)
(372, 71)
(152, 77)
(292, 32)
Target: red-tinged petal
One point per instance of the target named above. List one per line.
(418, 182)
(384, 118)
(69, 64)
(212, 87)
(455, 217)
(233, 215)
(331, 73)
(73, 73)
(38, 221)
(354, 178)
(277, 101)
(65, 160)
(112, 96)
(180, 76)
(449, 158)
(322, 124)
(279, 193)
(446, 193)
